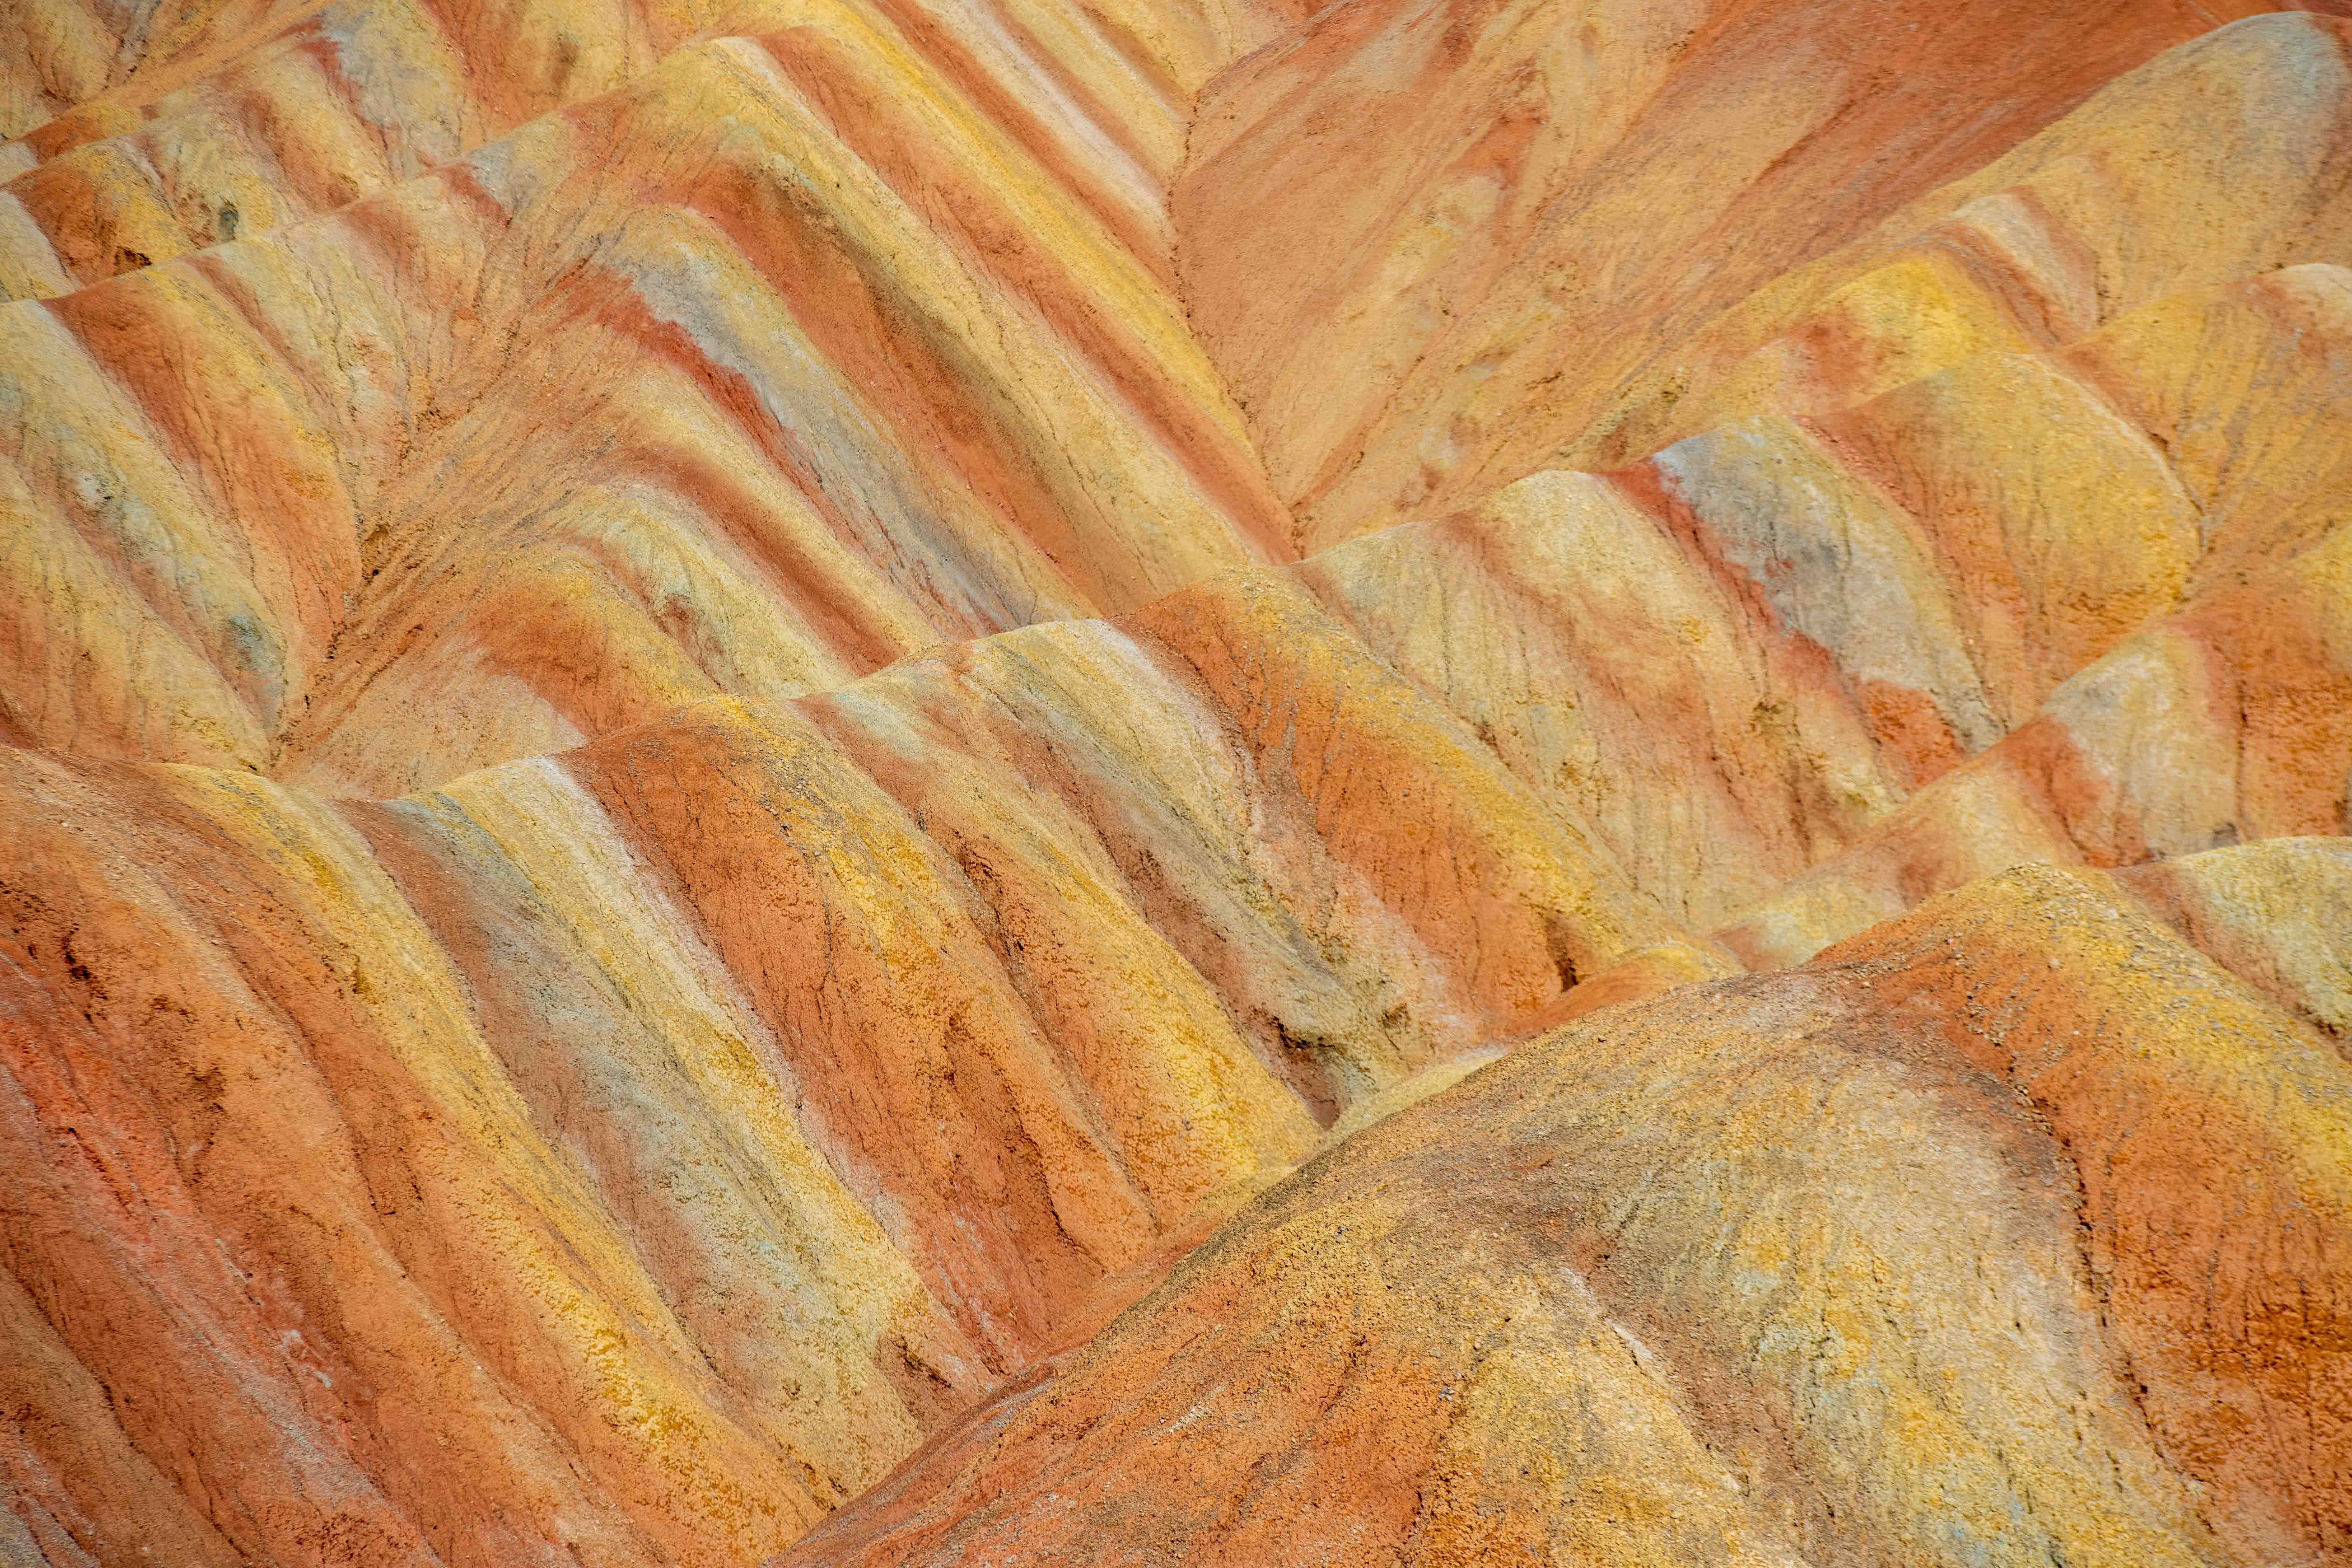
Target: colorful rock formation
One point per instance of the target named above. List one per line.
(1076, 781)
(2014, 1231)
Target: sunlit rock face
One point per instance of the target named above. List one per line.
(1091, 781)
(1436, 246)
(2013, 1231)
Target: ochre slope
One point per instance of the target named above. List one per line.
(2018, 1233)
(1526, 237)
(676, 799)
(778, 363)
(56, 58)
(230, 120)
(736, 1097)
(1739, 657)
(2275, 914)
(2229, 721)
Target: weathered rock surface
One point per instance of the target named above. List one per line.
(1534, 234)
(2016, 1232)
(780, 361)
(724, 728)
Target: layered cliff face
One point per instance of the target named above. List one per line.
(726, 727)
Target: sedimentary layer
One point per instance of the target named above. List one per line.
(895, 781)
(1642, 1292)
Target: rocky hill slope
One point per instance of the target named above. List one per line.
(1087, 781)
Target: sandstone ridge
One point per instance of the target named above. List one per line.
(1082, 780)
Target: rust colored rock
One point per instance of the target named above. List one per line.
(1776, 1270)
(874, 781)
(1492, 220)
